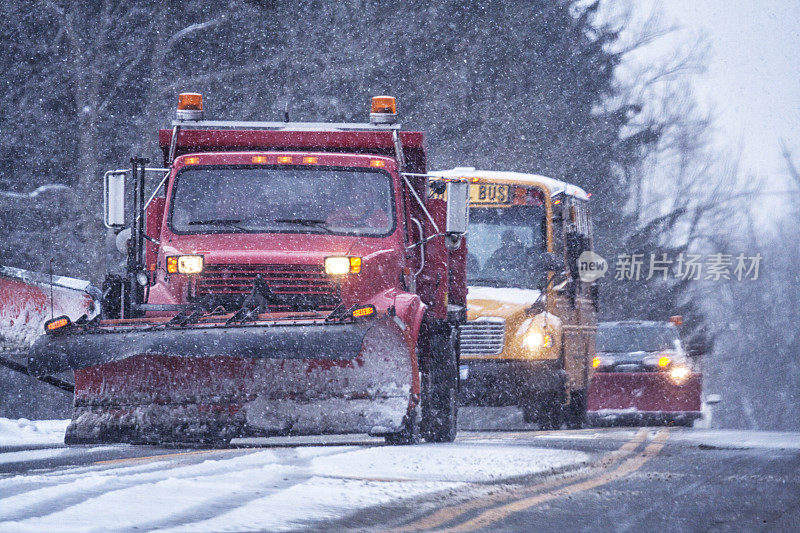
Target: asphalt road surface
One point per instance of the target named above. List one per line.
(610, 479)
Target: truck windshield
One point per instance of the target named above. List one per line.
(627, 338)
(342, 201)
(505, 245)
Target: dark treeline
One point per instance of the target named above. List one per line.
(525, 85)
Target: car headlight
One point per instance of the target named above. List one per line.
(339, 266)
(679, 374)
(536, 339)
(185, 264)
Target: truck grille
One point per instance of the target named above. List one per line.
(296, 287)
(484, 336)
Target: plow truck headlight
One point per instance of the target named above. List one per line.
(603, 362)
(339, 266)
(185, 264)
(679, 374)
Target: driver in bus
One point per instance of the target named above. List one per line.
(510, 255)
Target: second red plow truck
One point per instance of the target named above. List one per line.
(282, 279)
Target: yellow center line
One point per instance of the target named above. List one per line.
(492, 516)
(448, 514)
(162, 456)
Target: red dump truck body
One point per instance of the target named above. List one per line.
(260, 334)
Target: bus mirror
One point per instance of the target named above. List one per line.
(457, 207)
(114, 200)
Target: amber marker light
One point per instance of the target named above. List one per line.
(366, 310)
(310, 160)
(190, 106)
(384, 104)
(595, 362)
(192, 101)
(172, 265)
(355, 265)
(377, 163)
(664, 361)
(284, 159)
(192, 160)
(259, 159)
(55, 324)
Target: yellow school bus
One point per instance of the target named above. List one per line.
(529, 338)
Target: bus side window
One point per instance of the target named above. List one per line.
(558, 229)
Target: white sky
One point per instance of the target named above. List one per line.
(752, 81)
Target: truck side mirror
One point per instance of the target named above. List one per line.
(114, 200)
(457, 213)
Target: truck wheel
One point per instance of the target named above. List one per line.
(408, 435)
(440, 387)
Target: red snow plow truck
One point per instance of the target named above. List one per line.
(282, 279)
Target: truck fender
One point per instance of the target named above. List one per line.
(409, 312)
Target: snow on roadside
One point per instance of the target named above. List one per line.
(31, 432)
(274, 489)
(446, 462)
(729, 438)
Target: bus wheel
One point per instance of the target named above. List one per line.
(440, 387)
(576, 411)
(544, 410)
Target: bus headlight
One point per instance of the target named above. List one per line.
(535, 340)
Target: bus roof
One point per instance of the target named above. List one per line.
(516, 178)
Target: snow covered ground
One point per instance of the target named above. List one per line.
(272, 488)
(26, 432)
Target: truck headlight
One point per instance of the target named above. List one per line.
(679, 374)
(603, 361)
(185, 264)
(339, 266)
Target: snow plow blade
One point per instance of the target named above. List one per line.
(55, 353)
(643, 396)
(212, 382)
(29, 299)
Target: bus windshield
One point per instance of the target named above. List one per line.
(505, 246)
(342, 201)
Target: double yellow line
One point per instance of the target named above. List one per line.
(498, 507)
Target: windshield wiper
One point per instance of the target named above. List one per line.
(231, 222)
(308, 222)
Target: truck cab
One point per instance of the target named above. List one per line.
(529, 338)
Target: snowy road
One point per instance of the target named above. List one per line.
(486, 480)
